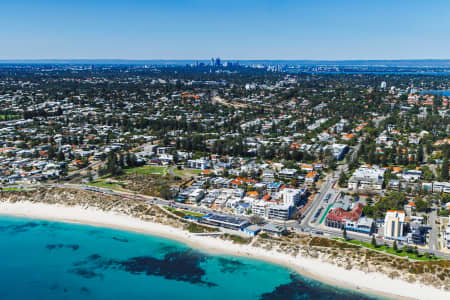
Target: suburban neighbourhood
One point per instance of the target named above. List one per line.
(248, 148)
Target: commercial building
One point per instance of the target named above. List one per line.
(417, 234)
(224, 221)
(252, 230)
(367, 177)
(338, 217)
(363, 225)
(274, 229)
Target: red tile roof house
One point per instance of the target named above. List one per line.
(337, 217)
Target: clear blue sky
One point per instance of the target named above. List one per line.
(253, 29)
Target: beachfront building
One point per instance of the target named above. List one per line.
(363, 225)
(252, 230)
(280, 210)
(393, 224)
(272, 210)
(338, 217)
(417, 234)
(274, 229)
(224, 221)
(196, 195)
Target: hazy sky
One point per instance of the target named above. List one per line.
(253, 29)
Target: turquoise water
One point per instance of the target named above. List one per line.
(50, 260)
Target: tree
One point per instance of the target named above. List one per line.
(51, 152)
(111, 166)
(342, 179)
(420, 155)
(344, 234)
(60, 156)
(256, 220)
(395, 247)
(332, 164)
(421, 205)
(374, 241)
(165, 192)
(444, 170)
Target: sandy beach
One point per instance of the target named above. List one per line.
(374, 283)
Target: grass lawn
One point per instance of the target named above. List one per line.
(159, 170)
(14, 189)
(107, 184)
(183, 213)
(187, 172)
(3, 117)
(390, 250)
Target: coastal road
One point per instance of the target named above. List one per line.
(433, 243)
(303, 227)
(309, 213)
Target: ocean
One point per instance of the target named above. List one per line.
(51, 260)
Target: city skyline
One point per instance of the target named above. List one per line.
(290, 30)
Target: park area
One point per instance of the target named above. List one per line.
(406, 251)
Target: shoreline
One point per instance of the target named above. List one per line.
(371, 283)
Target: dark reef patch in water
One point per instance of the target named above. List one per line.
(179, 266)
(123, 240)
(299, 288)
(19, 228)
(74, 247)
(230, 265)
(167, 249)
(94, 257)
(85, 273)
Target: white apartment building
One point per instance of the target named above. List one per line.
(201, 164)
(393, 224)
(441, 187)
(367, 177)
(278, 211)
(291, 196)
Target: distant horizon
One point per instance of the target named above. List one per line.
(229, 59)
